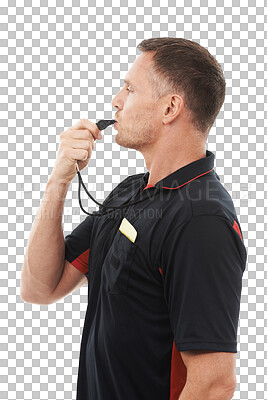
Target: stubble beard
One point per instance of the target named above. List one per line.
(140, 136)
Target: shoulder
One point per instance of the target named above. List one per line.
(209, 197)
(206, 237)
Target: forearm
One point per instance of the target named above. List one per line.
(45, 254)
(190, 392)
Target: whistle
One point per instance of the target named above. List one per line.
(104, 123)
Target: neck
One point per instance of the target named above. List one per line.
(163, 164)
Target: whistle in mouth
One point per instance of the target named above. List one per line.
(104, 123)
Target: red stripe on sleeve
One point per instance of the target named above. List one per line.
(178, 374)
(81, 262)
(236, 227)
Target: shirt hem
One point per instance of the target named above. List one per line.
(225, 347)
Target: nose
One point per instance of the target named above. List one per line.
(113, 104)
(116, 102)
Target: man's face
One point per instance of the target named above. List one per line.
(138, 115)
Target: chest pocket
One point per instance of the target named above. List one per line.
(117, 265)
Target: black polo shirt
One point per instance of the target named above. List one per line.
(177, 287)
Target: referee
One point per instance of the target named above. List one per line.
(164, 256)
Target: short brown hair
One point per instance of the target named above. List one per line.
(187, 68)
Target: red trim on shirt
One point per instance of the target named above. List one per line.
(204, 173)
(178, 374)
(148, 186)
(81, 262)
(178, 371)
(236, 227)
(164, 187)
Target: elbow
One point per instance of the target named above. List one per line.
(35, 300)
(24, 297)
(224, 392)
(28, 290)
(26, 300)
(38, 302)
(218, 392)
(231, 390)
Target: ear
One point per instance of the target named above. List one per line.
(173, 108)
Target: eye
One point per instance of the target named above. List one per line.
(129, 90)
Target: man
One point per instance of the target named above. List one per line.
(164, 289)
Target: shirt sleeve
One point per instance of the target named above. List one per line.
(77, 244)
(202, 266)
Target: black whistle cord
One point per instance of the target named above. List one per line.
(102, 124)
(102, 205)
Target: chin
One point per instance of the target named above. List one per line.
(116, 139)
(120, 142)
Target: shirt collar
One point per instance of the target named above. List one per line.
(185, 174)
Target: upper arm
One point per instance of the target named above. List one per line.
(77, 245)
(202, 268)
(207, 368)
(72, 279)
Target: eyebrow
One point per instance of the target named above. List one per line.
(129, 82)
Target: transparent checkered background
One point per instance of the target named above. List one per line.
(63, 61)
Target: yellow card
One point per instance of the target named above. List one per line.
(128, 230)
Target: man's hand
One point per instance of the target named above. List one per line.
(76, 145)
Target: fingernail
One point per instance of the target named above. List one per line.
(99, 135)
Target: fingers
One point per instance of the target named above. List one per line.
(80, 134)
(86, 124)
(81, 144)
(81, 155)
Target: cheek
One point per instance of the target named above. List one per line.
(136, 108)
(137, 105)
